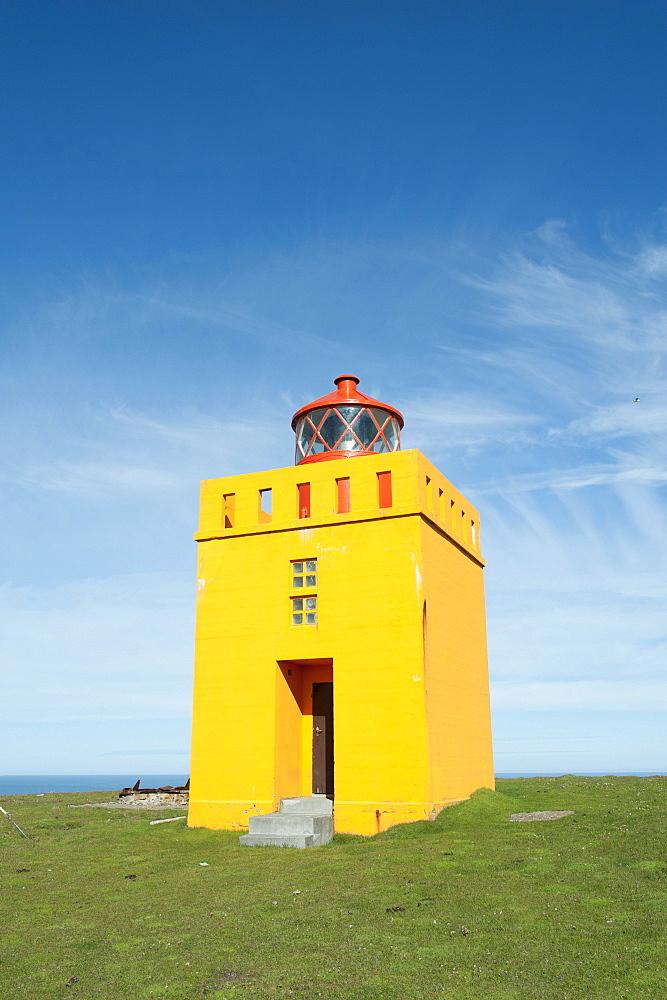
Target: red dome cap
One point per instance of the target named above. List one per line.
(344, 424)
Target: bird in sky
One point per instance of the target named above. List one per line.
(636, 399)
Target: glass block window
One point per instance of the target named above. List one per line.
(304, 610)
(304, 573)
(346, 428)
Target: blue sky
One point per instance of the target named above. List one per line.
(211, 210)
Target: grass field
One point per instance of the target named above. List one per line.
(103, 905)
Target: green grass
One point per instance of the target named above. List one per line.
(573, 908)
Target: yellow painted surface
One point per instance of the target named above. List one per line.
(400, 631)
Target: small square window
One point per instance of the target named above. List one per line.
(298, 615)
(301, 579)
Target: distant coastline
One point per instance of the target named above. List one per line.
(42, 784)
(581, 774)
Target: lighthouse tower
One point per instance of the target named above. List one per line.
(341, 639)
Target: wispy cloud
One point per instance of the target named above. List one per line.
(103, 649)
(610, 302)
(96, 477)
(647, 417)
(576, 478)
(241, 322)
(516, 368)
(439, 421)
(135, 752)
(125, 452)
(600, 695)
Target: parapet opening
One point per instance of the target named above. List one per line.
(384, 489)
(265, 506)
(303, 500)
(343, 495)
(228, 509)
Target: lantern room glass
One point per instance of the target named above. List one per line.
(347, 429)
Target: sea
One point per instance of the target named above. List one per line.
(42, 784)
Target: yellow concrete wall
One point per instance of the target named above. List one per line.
(455, 667)
(289, 725)
(411, 732)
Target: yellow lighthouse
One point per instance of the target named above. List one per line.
(341, 638)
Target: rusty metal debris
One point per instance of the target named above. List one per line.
(176, 794)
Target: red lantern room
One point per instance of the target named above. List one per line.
(344, 424)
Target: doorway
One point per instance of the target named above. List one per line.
(323, 739)
(304, 740)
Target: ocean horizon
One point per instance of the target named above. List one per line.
(42, 784)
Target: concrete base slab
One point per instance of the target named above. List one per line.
(275, 840)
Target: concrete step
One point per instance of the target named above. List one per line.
(311, 805)
(284, 840)
(296, 824)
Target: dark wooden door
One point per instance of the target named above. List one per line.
(323, 744)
